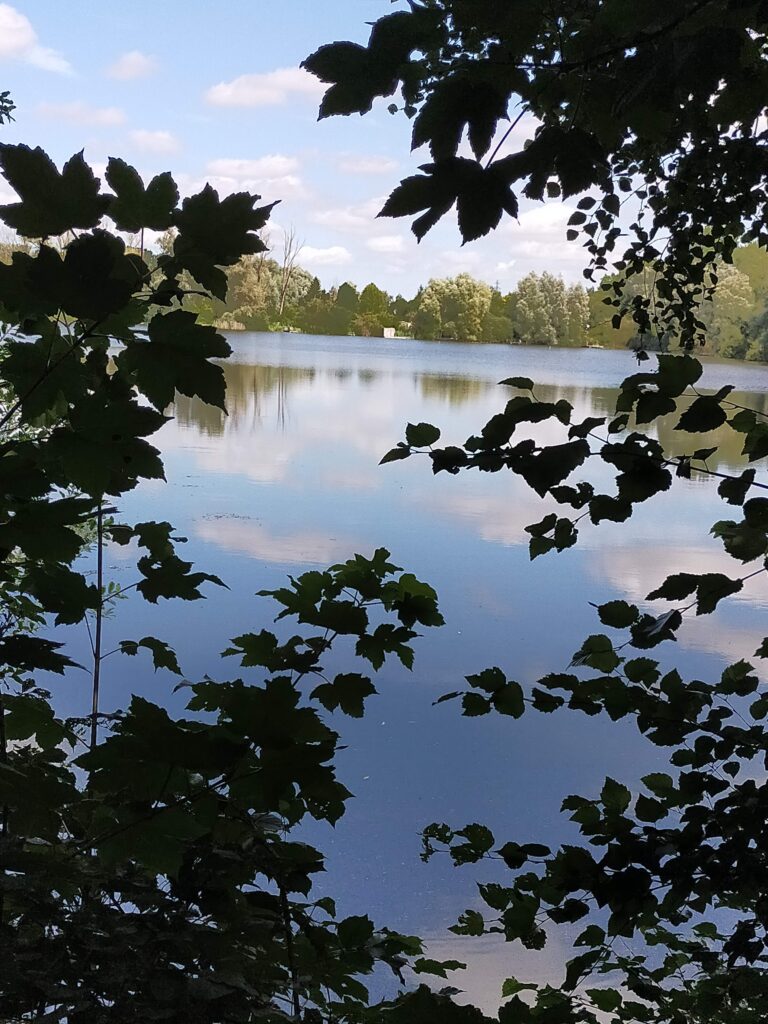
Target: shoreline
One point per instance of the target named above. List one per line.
(498, 344)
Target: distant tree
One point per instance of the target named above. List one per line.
(165, 241)
(373, 301)
(298, 289)
(463, 303)
(347, 297)
(753, 261)
(427, 321)
(366, 325)
(289, 255)
(531, 320)
(401, 308)
(498, 305)
(727, 313)
(10, 243)
(253, 291)
(473, 301)
(757, 339)
(555, 299)
(496, 328)
(577, 306)
(322, 315)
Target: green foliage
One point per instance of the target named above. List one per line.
(664, 868)
(265, 293)
(175, 817)
(147, 865)
(176, 358)
(612, 99)
(155, 876)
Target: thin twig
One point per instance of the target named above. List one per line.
(4, 813)
(288, 927)
(99, 619)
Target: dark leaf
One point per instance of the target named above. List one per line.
(136, 207)
(421, 435)
(51, 203)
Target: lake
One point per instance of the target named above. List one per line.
(290, 481)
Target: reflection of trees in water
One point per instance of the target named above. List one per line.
(729, 442)
(247, 388)
(592, 401)
(451, 389)
(602, 402)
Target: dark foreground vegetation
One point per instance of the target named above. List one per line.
(149, 867)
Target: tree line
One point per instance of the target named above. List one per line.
(272, 291)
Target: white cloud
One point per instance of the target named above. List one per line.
(271, 176)
(504, 265)
(48, 60)
(457, 261)
(635, 571)
(272, 166)
(159, 142)
(537, 241)
(18, 41)
(387, 243)
(269, 89)
(547, 218)
(17, 36)
(355, 217)
(133, 64)
(289, 186)
(82, 113)
(496, 519)
(367, 165)
(333, 256)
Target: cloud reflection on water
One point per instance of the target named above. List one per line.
(291, 479)
(306, 547)
(490, 961)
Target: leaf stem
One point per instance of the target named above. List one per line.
(287, 925)
(99, 620)
(4, 812)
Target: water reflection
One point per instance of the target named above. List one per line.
(601, 401)
(307, 547)
(451, 389)
(256, 390)
(247, 388)
(290, 479)
(490, 961)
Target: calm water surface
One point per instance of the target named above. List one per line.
(290, 481)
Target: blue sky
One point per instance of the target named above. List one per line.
(214, 93)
